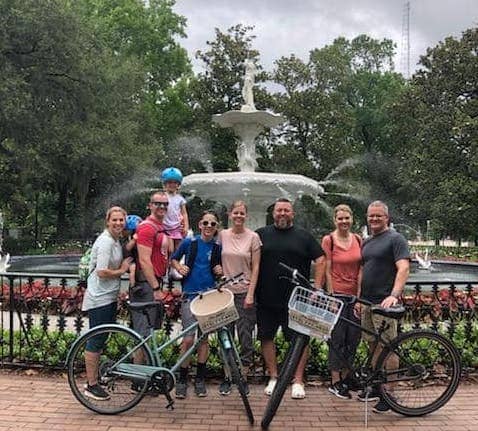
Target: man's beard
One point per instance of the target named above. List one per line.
(283, 223)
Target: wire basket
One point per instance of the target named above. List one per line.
(313, 313)
(214, 309)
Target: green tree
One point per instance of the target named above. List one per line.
(437, 120)
(336, 106)
(82, 89)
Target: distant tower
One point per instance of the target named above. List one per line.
(405, 48)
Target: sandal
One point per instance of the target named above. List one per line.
(298, 391)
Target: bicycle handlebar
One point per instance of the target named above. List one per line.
(223, 282)
(296, 276)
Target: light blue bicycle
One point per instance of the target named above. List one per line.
(130, 365)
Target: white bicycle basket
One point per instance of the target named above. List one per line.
(313, 313)
(214, 309)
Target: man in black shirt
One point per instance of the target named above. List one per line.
(282, 242)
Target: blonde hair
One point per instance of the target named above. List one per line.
(238, 203)
(343, 207)
(112, 210)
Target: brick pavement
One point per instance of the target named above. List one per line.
(45, 403)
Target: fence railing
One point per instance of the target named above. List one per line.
(41, 316)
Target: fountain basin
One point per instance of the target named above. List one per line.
(258, 189)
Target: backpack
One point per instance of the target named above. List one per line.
(193, 251)
(84, 265)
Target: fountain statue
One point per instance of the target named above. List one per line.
(247, 89)
(424, 262)
(258, 189)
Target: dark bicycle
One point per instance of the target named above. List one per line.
(429, 365)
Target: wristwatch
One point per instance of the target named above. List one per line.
(155, 289)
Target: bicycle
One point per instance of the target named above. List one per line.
(127, 381)
(429, 367)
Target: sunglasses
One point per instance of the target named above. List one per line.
(160, 204)
(206, 223)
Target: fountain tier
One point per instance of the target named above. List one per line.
(258, 189)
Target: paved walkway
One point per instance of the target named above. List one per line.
(45, 403)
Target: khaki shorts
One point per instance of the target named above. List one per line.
(372, 322)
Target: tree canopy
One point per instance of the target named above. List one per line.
(96, 93)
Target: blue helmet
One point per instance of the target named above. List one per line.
(172, 174)
(132, 222)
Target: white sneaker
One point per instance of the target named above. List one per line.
(298, 391)
(270, 386)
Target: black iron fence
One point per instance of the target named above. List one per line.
(41, 316)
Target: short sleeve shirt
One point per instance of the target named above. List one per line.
(293, 246)
(200, 277)
(172, 219)
(237, 250)
(379, 256)
(150, 234)
(106, 253)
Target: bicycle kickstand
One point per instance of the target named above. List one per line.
(170, 400)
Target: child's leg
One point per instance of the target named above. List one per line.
(132, 274)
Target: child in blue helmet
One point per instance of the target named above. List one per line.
(176, 221)
(129, 247)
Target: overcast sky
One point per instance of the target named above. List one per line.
(284, 27)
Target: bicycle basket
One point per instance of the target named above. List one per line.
(214, 309)
(313, 313)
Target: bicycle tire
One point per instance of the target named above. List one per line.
(233, 362)
(124, 391)
(293, 356)
(428, 374)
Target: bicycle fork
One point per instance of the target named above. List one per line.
(226, 343)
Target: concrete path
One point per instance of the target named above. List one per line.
(45, 403)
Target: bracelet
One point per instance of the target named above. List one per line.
(155, 289)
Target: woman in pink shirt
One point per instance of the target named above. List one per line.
(241, 253)
(343, 276)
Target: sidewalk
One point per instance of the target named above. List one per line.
(45, 403)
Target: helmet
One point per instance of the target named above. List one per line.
(172, 174)
(132, 222)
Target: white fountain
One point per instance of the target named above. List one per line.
(258, 189)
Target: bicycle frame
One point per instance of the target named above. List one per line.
(151, 344)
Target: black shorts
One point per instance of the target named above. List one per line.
(268, 322)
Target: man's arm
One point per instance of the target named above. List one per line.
(144, 254)
(403, 269)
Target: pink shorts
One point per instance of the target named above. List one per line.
(176, 233)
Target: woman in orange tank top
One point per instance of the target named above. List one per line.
(343, 277)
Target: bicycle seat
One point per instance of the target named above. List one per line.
(393, 312)
(139, 306)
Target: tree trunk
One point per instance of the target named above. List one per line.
(61, 211)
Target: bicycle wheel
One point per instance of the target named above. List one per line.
(428, 373)
(124, 391)
(285, 376)
(233, 361)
